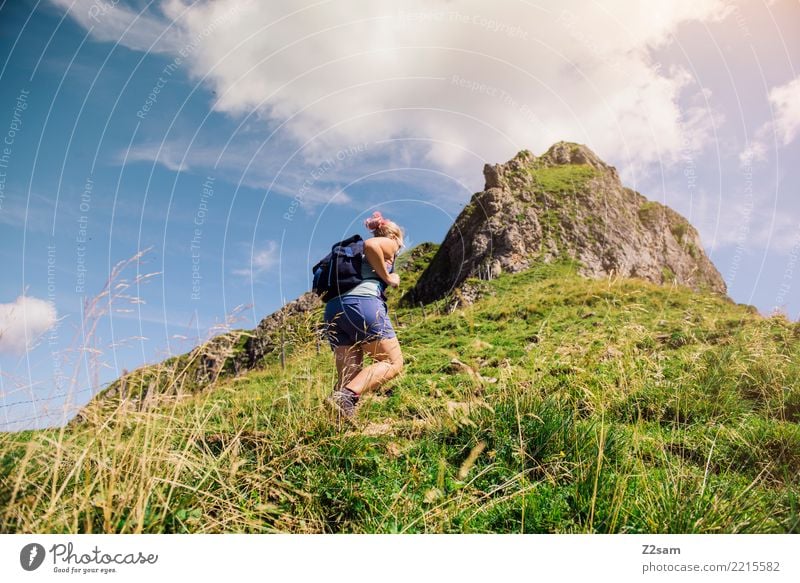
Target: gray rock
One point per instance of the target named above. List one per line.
(266, 337)
(567, 203)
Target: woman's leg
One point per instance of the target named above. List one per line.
(387, 364)
(348, 363)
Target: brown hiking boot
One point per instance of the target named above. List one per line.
(343, 402)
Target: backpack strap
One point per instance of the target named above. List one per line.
(394, 260)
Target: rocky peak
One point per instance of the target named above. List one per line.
(566, 203)
(560, 154)
(568, 153)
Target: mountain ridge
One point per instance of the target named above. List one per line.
(505, 230)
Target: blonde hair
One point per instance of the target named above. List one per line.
(382, 227)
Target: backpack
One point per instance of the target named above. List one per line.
(340, 270)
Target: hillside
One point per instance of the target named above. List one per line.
(566, 205)
(553, 403)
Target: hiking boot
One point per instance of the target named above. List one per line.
(343, 403)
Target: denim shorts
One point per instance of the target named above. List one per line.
(353, 319)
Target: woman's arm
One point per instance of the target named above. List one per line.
(375, 251)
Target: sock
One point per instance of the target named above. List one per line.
(350, 393)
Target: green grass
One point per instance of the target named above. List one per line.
(679, 230)
(564, 179)
(595, 406)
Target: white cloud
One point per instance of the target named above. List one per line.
(262, 261)
(23, 321)
(170, 157)
(248, 163)
(111, 20)
(784, 126)
(785, 100)
(489, 81)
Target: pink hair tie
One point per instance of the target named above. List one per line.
(376, 221)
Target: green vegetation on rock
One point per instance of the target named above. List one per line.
(649, 212)
(679, 230)
(565, 179)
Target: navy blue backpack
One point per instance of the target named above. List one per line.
(340, 270)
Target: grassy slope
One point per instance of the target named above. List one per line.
(608, 406)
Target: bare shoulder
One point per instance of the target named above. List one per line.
(387, 245)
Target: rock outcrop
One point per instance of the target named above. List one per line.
(266, 337)
(565, 204)
(223, 356)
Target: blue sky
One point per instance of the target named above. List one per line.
(233, 141)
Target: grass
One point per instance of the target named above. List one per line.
(576, 406)
(563, 179)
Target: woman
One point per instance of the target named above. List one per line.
(357, 322)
